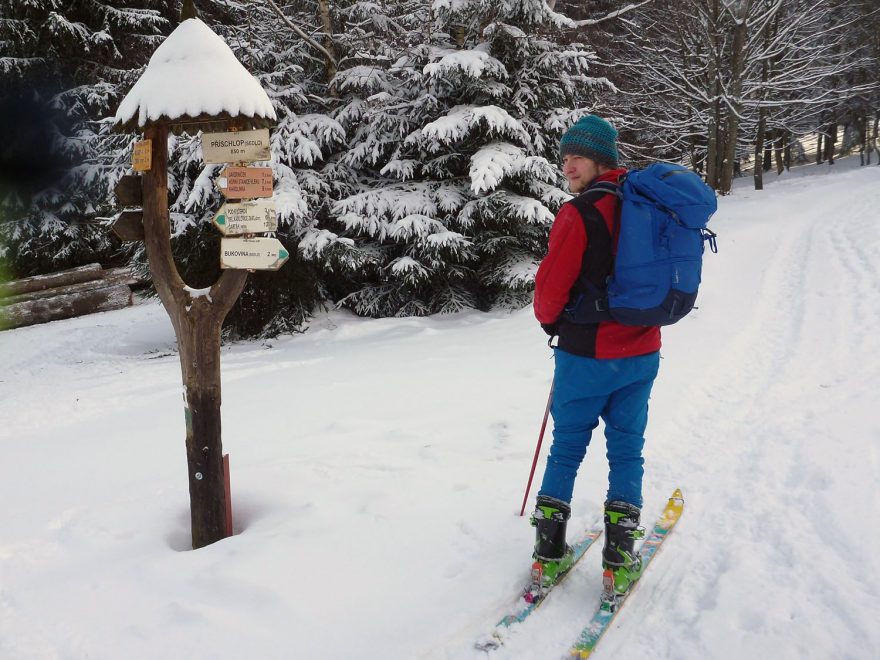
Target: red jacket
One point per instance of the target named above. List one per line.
(560, 269)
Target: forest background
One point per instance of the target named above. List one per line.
(416, 153)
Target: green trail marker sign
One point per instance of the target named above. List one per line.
(252, 253)
(246, 217)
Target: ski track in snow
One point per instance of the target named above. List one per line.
(393, 454)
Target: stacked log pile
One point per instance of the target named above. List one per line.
(65, 294)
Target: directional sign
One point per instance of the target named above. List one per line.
(129, 226)
(246, 217)
(245, 182)
(252, 253)
(128, 190)
(142, 157)
(236, 147)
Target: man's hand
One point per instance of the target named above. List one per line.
(552, 329)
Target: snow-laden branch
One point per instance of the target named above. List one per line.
(571, 23)
(302, 34)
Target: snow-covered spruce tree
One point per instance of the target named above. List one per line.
(457, 157)
(71, 63)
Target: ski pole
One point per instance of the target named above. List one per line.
(537, 450)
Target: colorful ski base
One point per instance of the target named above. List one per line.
(529, 600)
(604, 616)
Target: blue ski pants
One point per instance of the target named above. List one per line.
(585, 389)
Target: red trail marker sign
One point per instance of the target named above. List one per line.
(245, 182)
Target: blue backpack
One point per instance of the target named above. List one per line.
(654, 276)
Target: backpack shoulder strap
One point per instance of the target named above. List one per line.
(588, 301)
(606, 187)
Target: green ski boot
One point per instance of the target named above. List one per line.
(621, 564)
(552, 556)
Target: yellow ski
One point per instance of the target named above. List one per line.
(602, 619)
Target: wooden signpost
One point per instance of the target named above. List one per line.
(245, 182)
(252, 253)
(236, 147)
(250, 217)
(142, 157)
(197, 319)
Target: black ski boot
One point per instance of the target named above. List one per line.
(622, 566)
(552, 556)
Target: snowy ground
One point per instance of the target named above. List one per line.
(378, 467)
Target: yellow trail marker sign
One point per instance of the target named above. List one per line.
(142, 157)
(252, 253)
(245, 182)
(251, 217)
(236, 147)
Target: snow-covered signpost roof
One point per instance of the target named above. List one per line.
(194, 82)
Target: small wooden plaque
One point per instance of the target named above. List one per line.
(142, 158)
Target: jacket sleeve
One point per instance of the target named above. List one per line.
(560, 268)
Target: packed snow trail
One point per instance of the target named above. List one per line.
(378, 467)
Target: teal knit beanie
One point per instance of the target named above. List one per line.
(593, 138)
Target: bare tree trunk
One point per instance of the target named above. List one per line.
(862, 127)
(777, 151)
(786, 152)
(830, 142)
(197, 323)
(874, 137)
(327, 25)
(737, 66)
(759, 149)
(819, 148)
(714, 92)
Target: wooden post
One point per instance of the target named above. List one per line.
(197, 322)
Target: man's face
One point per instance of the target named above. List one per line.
(579, 171)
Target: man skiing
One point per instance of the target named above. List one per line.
(602, 369)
